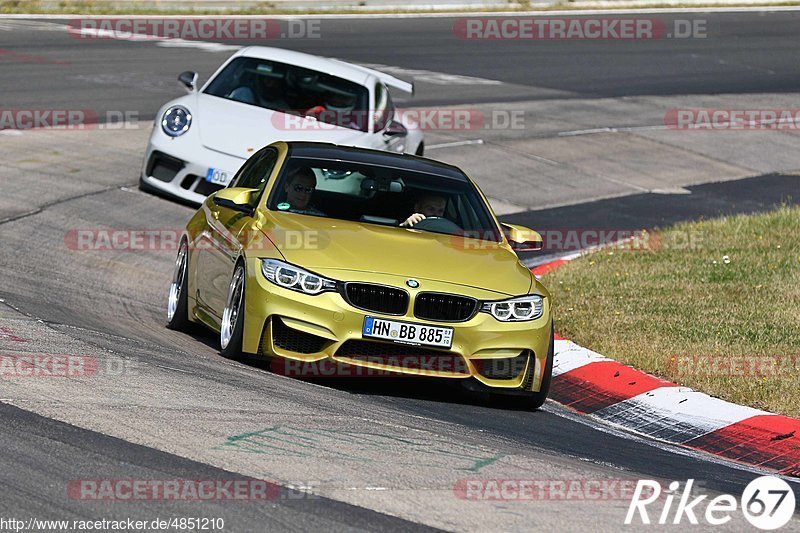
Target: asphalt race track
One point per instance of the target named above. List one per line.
(351, 454)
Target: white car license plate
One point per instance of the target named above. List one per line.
(218, 177)
(406, 332)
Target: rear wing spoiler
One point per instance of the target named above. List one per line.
(389, 81)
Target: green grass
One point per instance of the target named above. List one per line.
(719, 290)
(107, 7)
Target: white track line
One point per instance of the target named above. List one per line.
(452, 144)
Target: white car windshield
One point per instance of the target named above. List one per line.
(387, 196)
(293, 90)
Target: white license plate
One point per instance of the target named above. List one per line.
(407, 333)
(218, 177)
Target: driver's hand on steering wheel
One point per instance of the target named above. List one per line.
(416, 218)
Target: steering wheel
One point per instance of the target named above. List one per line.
(438, 225)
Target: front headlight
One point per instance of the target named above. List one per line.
(176, 121)
(516, 309)
(295, 278)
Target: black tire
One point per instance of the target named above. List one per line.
(178, 297)
(232, 349)
(420, 149)
(533, 400)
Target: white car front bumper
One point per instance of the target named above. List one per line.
(178, 167)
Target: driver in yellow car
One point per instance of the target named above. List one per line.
(426, 205)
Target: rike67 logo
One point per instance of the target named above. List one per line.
(767, 502)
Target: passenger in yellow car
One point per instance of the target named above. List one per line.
(427, 205)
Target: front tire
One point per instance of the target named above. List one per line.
(232, 327)
(178, 299)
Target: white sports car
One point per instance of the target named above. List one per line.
(262, 95)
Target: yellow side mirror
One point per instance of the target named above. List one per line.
(237, 198)
(522, 239)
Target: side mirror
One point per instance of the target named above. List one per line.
(394, 129)
(188, 79)
(522, 239)
(236, 198)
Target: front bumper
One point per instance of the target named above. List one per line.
(178, 167)
(300, 329)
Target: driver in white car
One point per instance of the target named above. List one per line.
(339, 109)
(268, 91)
(427, 205)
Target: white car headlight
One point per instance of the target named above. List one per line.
(295, 278)
(515, 309)
(176, 121)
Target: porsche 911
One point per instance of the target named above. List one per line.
(261, 95)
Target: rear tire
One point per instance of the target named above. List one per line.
(178, 299)
(232, 326)
(533, 400)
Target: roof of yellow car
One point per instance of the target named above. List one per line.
(318, 150)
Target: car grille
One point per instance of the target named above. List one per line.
(403, 356)
(292, 340)
(444, 307)
(163, 167)
(376, 298)
(505, 368)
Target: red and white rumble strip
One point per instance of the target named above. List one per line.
(600, 387)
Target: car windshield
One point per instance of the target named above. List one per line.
(382, 195)
(293, 90)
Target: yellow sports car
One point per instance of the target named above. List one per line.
(334, 260)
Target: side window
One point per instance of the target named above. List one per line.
(256, 172)
(384, 108)
(246, 169)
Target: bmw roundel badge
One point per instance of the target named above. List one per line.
(412, 283)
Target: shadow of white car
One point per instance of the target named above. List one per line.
(261, 95)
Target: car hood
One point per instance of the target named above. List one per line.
(238, 129)
(323, 244)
